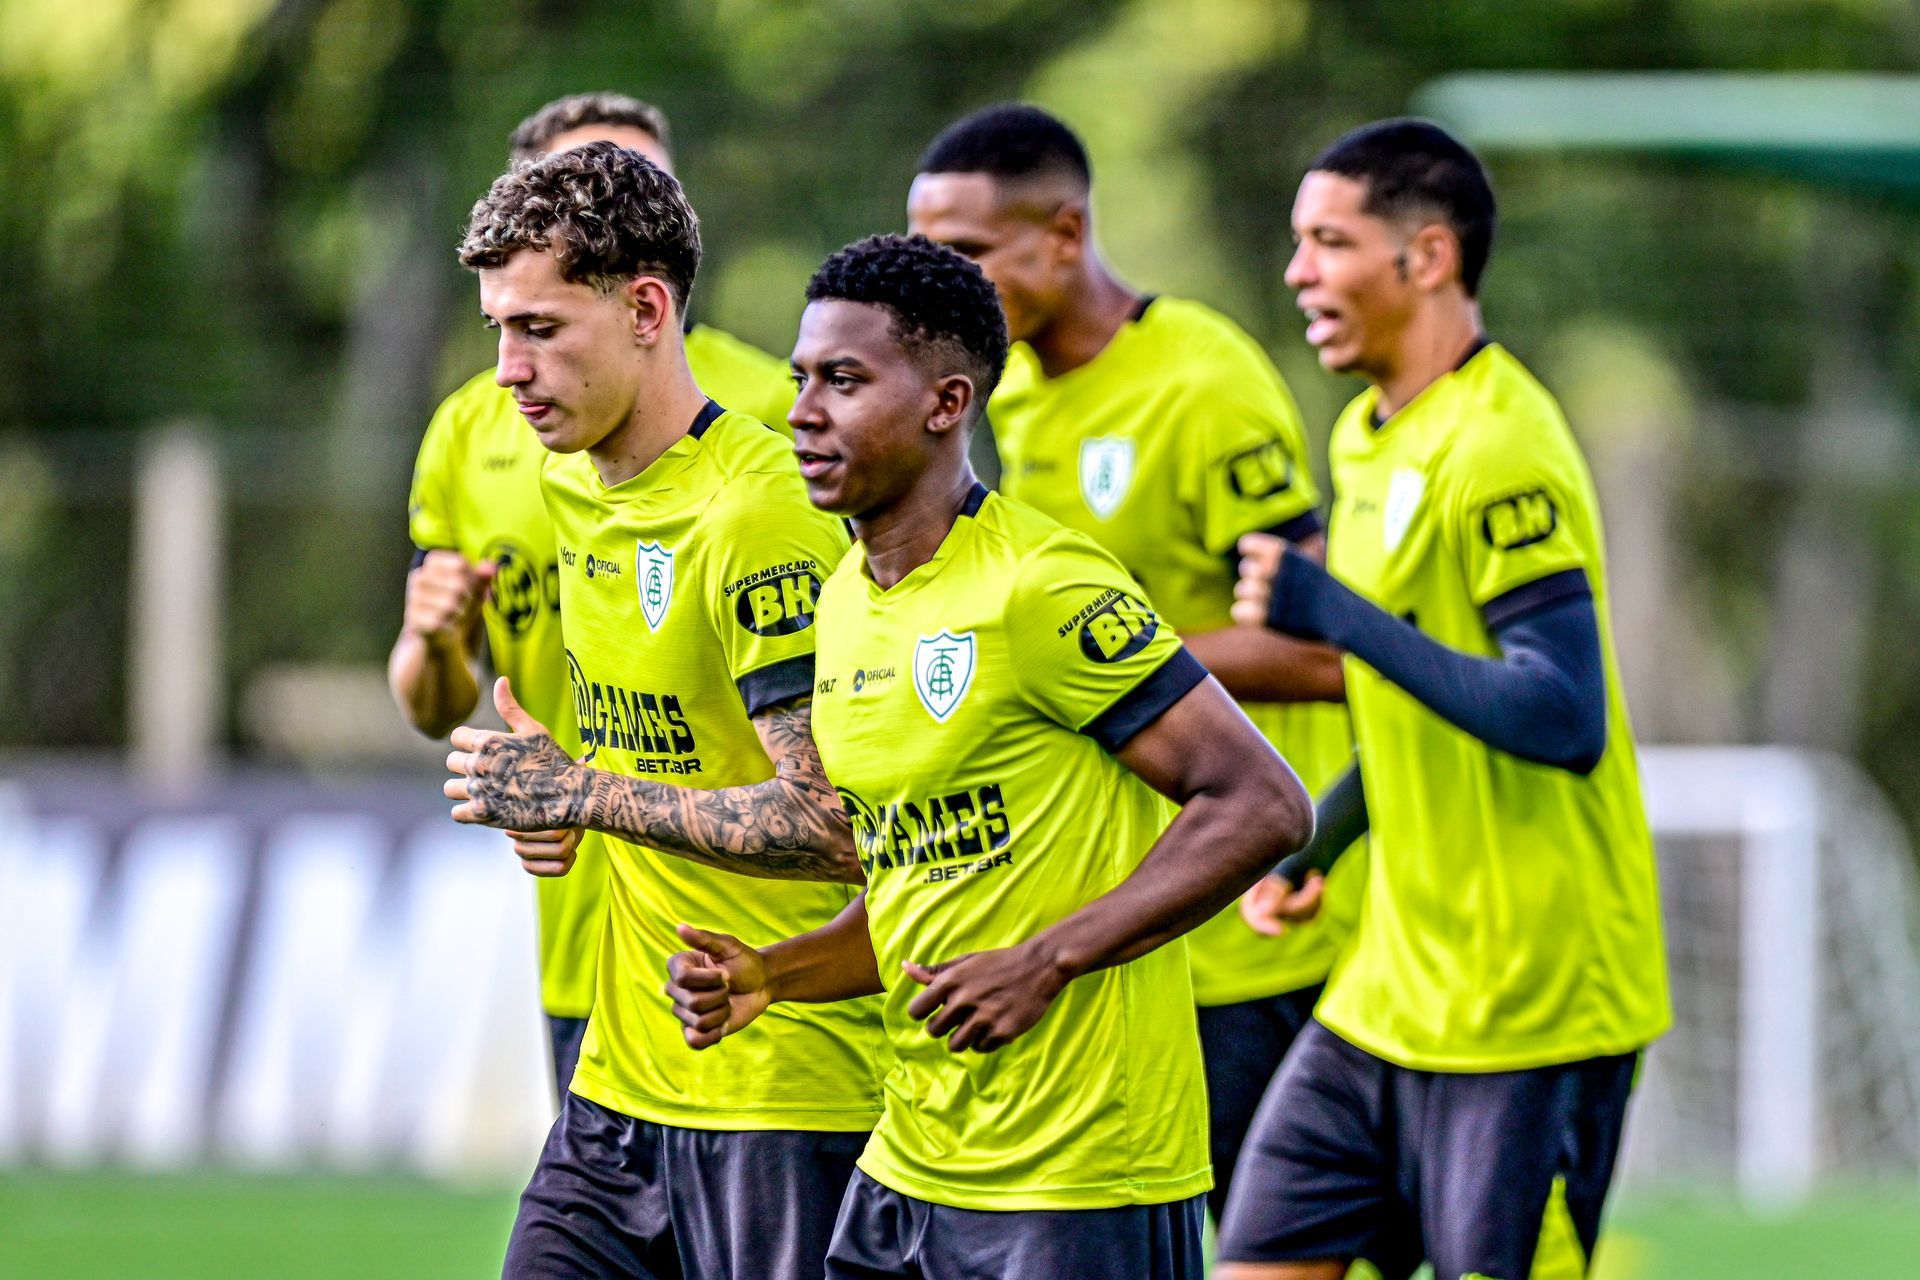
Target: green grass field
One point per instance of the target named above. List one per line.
(233, 1227)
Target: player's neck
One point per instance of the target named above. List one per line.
(1093, 312)
(907, 534)
(1431, 347)
(665, 408)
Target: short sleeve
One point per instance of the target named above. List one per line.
(1088, 651)
(1515, 517)
(766, 551)
(430, 517)
(1255, 475)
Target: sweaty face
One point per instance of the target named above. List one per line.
(860, 418)
(971, 214)
(567, 351)
(1347, 272)
(620, 135)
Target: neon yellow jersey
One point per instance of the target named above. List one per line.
(476, 490)
(689, 593)
(1167, 446)
(1511, 915)
(741, 377)
(961, 715)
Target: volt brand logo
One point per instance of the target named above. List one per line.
(1106, 472)
(943, 672)
(1262, 471)
(902, 833)
(777, 602)
(640, 723)
(1115, 626)
(522, 588)
(1520, 520)
(653, 576)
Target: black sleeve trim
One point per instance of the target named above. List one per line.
(1303, 526)
(776, 683)
(1530, 598)
(1141, 705)
(419, 558)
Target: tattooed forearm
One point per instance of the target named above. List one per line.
(790, 827)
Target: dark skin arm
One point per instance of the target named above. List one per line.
(1256, 664)
(1241, 809)
(725, 984)
(790, 827)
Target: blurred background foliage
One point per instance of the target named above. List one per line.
(241, 213)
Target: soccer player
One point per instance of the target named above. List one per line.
(485, 555)
(1466, 1077)
(998, 705)
(690, 559)
(1160, 429)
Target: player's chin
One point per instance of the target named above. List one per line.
(828, 492)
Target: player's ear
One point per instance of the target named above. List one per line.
(953, 400)
(651, 310)
(1432, 257)
(1068, 228)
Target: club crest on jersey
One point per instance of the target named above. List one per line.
(943, 672)
(1404, 492)
(1106, 469)
(653, 577)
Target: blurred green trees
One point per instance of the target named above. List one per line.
(243, 212)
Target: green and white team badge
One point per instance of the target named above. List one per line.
(653, 577)
(1404, 492)
(1106, 470)
(943, 672)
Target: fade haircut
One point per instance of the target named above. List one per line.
(1010, 140)
(606, 214)
(941, 305)
(577, 111)
(1413, 168)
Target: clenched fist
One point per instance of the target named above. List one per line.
(444, 596)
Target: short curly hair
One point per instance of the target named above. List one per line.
(940, 301)
(563, 115)
(606, 214)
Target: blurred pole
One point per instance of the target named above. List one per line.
(174, 680)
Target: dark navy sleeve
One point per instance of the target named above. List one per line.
(1544, 699)
(1339, 819)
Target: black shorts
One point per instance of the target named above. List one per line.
(1242, 1045)
(616, 1196)
(1351, 1154)
(563, 1039)
(882, 1233)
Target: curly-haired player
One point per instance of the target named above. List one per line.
(690, 562)
(1005, 719)
(485, 563)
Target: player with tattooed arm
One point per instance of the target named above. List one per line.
(690, 560)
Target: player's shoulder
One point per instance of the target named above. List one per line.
(1024, 547)
(751, 475)
(475, 405)
(704, 342)
(1207, 339)
(1501, 412)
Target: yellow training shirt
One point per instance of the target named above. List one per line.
(1167, 446)
(1511, 915)
(689, 593)
(967, 717)
(476, 490)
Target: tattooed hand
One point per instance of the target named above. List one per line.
(518, 781)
